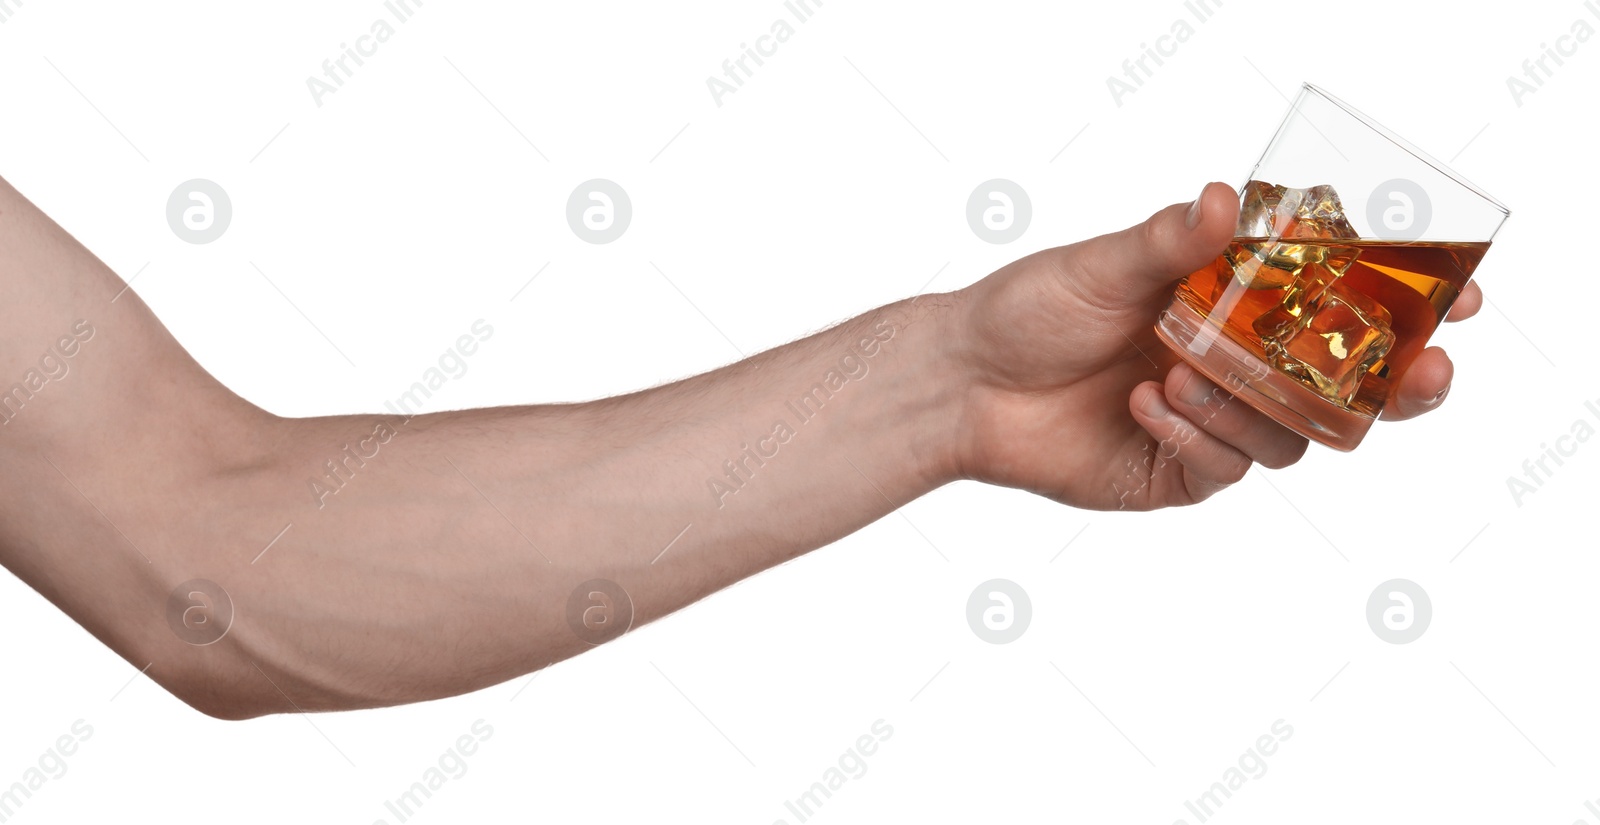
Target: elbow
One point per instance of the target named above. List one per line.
(220, 701)
(237, 682)
(220, 692)
(243, 674)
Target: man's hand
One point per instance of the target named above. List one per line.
(1076, 399)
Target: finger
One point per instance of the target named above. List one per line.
(1467, 303)
(1137, 264)
(1236, 423)
(1209, 464)
(1423, 387)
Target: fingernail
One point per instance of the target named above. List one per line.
(1196, 391)
(1154, 405)
(1434, 401)
(1192, 219)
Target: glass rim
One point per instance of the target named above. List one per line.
(1385, 133)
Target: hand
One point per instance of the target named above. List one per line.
(1074, 396)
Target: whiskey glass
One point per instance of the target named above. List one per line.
(1350, 248)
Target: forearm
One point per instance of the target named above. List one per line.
(375, 559)
(469, 531)
(434, 555)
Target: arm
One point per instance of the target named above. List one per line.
(456, 543)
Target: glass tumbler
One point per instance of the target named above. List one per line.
(1350, 248)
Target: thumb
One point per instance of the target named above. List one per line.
(1137, 264)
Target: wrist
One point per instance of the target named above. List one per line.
(927, 401)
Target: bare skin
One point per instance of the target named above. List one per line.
(446, 562)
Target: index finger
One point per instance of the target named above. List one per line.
(1467, 303)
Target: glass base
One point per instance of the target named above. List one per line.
(1234, 368)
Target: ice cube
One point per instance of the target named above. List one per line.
(1333, 346)
(1279, 214)
(1319, 267)
(1267, 210)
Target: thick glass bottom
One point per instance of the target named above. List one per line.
(1280, 397)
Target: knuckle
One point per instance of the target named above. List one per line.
(1234, 470)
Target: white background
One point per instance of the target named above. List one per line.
(407, 206)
